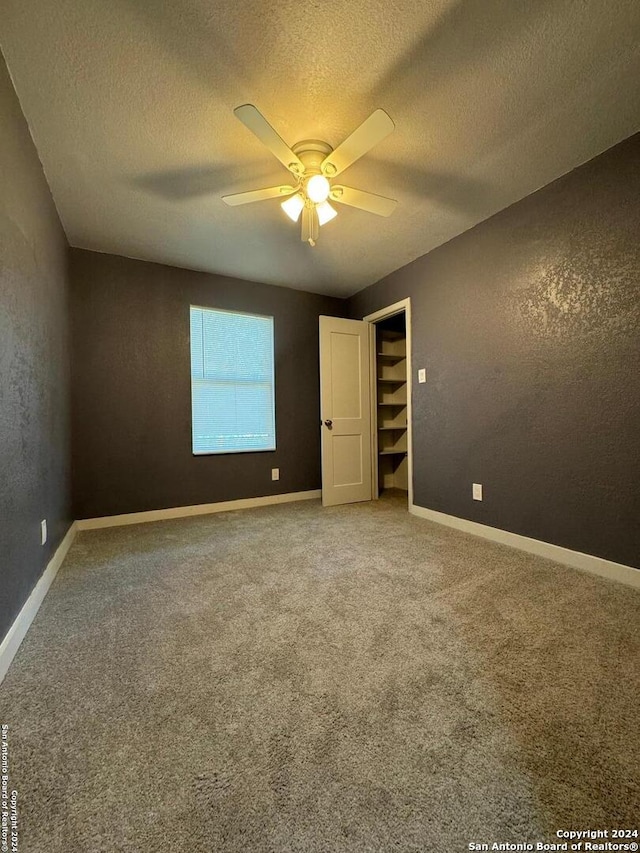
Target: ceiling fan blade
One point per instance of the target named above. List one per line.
(253, 119)
(258, 195)
(310, 225)
(371, 131)
(378, 204)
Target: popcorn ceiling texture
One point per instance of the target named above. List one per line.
(130, 104)
(529, 327)
(304, 680)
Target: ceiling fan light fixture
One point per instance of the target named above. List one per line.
(318, 188)
(293, 207)
(325, 212)
(311, 190)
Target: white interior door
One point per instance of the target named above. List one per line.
(345, 410)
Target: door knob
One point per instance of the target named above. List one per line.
(328, 424)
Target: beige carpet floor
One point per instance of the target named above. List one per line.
(295, 678)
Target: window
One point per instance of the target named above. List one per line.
(232, 382)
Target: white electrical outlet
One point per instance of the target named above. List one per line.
(477, 491)
(422, 374)
(275, 473)
(43, 531)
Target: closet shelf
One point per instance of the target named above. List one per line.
(389, 358)
(392, 436)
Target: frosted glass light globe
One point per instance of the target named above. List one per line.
(293, 207)
(325, 212)
(318, 189)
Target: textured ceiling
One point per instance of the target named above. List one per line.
(130, 105)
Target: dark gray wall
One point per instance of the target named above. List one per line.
(132, 392)
(34, 363)
(529, 327)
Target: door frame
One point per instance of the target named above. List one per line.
(372, 319)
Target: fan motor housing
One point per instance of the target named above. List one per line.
(312, 152)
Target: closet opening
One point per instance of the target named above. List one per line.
(391, 403)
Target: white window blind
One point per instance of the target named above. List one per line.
(232, 382)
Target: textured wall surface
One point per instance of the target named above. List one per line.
(529, 327)
(34, 363)
(132, 391)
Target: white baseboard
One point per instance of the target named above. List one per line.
(22, 623)
(197, 509)
(576, 559)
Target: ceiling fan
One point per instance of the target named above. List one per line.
(314, 164)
